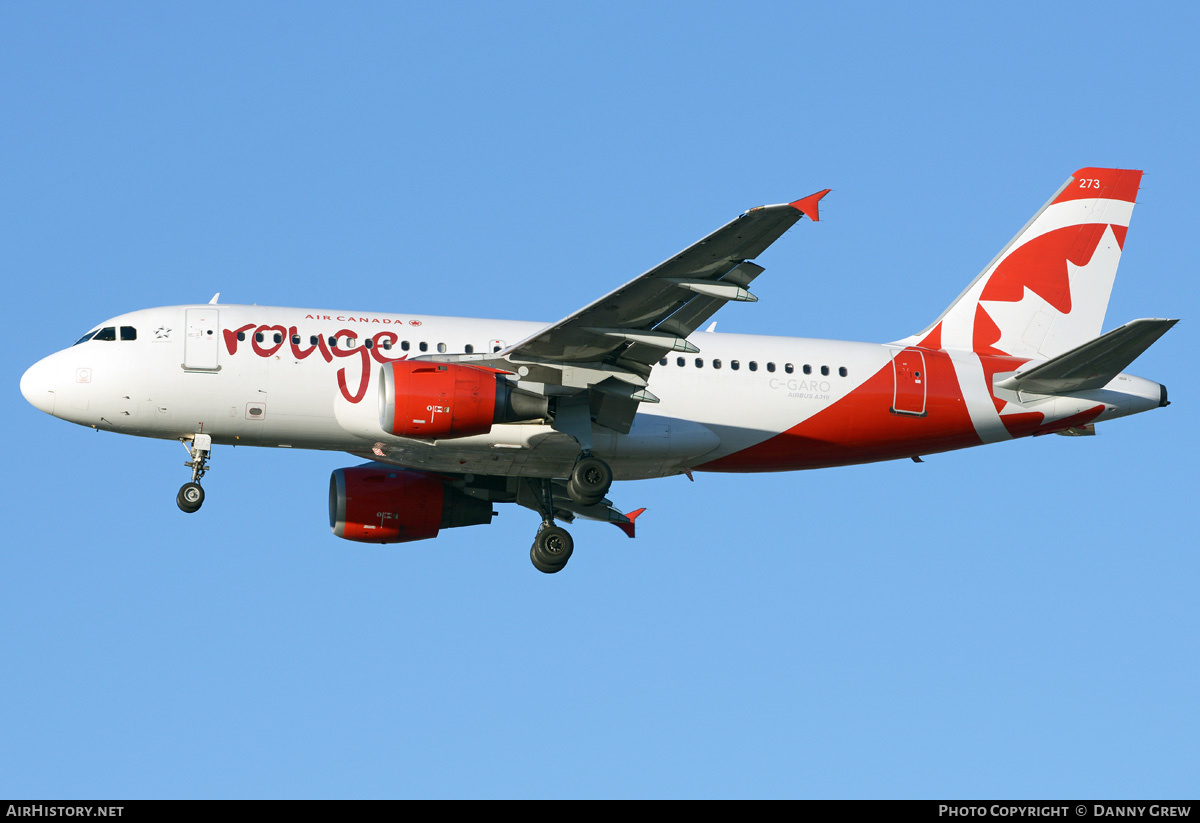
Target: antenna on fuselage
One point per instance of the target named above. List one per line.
(216, 297)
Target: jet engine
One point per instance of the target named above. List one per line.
(440, 401)
(381, 504)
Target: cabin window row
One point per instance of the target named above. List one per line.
(752, 365)
(351, 342)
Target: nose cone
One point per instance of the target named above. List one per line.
(38, 388)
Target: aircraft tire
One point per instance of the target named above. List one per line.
(190, 497)
(590, 480)
(542, 567)
(551, 549)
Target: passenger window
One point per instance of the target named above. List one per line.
(108, 333)
(824, 371)
(295, 340)
(278, 337)
(128, 333)
(241, 337)
(333, 342)
(385, 344)
(469, 349)
(405, 345)
(770, 367)
(789, 368)
(807, 369)
(424, 346)
(699, 362)
(441, 348)
(716, 363)
(753, 365)
(735, 365)
(369, 343)
(842, 371)
(258, 337)
(679, 361)
(662, 362)
(313, 340)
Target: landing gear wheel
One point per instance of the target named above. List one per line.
(551, 549)
(589, 481)
(190, 497)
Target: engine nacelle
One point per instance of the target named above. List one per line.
(379, 504)
(441, 401)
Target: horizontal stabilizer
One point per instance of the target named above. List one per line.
(1092, 365)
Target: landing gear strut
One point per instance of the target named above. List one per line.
(191, 495)
(590, 480)
(553, 545)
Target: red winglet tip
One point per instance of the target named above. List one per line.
(808, 205)
(628, 528)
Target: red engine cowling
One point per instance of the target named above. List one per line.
(379, 504)
(436, 401)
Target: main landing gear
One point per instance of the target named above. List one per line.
(552, 546)
(191, 495)
(587, 485)
(590, 480)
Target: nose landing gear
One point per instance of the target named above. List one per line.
(191, 496)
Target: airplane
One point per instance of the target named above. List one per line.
(456, 415)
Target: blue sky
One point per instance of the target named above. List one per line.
(1012, 621)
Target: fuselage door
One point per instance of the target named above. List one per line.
(908, 367)
(202, 340)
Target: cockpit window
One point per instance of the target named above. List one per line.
(108, 333)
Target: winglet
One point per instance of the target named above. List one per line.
(808, 205)
(629, 526)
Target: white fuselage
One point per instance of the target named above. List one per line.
(282, 377)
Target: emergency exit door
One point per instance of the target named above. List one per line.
(908, 368)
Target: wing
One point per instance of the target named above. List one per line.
(628, 330)
(594, 365)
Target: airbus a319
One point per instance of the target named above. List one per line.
(457, 415)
